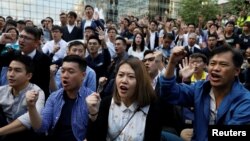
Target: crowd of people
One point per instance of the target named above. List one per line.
(139, 79)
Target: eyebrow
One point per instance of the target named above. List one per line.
(126, 72)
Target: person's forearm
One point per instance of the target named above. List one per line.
(104, 45)
(52, 84)
(170, 69)
(13, 127)
(35, 118)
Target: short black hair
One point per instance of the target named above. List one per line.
(21, 22)
(199, 55)
(147, 52)
(52, 21)
(89, 6)
(89, 27)
(122, 39)
(94, 37)
(75, 43)
(72, 13)
(26, 60)
(213, 35)
(127, 20)
(230, 22)
(111, 28)
(237, 55)
(76, 59)
(11, 22)
(1, 17)
(33, 31)
(57, 27)
(191, 24)
(154, 21)
(168, 36)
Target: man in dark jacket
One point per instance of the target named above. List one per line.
(29, 40)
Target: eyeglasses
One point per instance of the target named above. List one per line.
(148, 59)
(26, 38)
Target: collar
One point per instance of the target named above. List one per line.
(133, 107)
(32, 54)
(203, 77)
(20, 92)
(70, 25)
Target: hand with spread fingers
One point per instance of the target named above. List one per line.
(101, 33)
(186, 69)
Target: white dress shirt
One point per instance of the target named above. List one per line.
(120, 115)
(49, 46)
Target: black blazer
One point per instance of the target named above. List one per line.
(97, 131)
(41, 73)
(75, 34)
(195, 50)
(156, 41)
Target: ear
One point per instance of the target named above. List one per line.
(237, 71)
(29, 76)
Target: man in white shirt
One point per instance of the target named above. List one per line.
(57, 47)
(89, 19)
(71, 31)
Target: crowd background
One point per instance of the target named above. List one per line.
(103, 44)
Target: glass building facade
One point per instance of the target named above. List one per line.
(36, 10)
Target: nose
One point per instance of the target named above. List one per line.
(65, 74)
(216, 67)
(77, 53)
(11, 73)
(124, 79)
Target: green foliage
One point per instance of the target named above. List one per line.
(235, 6)
(190, 10)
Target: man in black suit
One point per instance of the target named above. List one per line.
(192, 47)
(71, 31)
(29, 40)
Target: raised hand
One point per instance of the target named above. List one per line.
(7, 38)
(101, 83)
(53, 69)
(101, 33)
(178, 53)
(31, 98)
(186, 69)
(93, 103)
(55, 48)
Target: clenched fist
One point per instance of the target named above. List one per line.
(31, 98)
(93, 103)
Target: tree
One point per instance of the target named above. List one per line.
(190, 10)
(235, 6)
